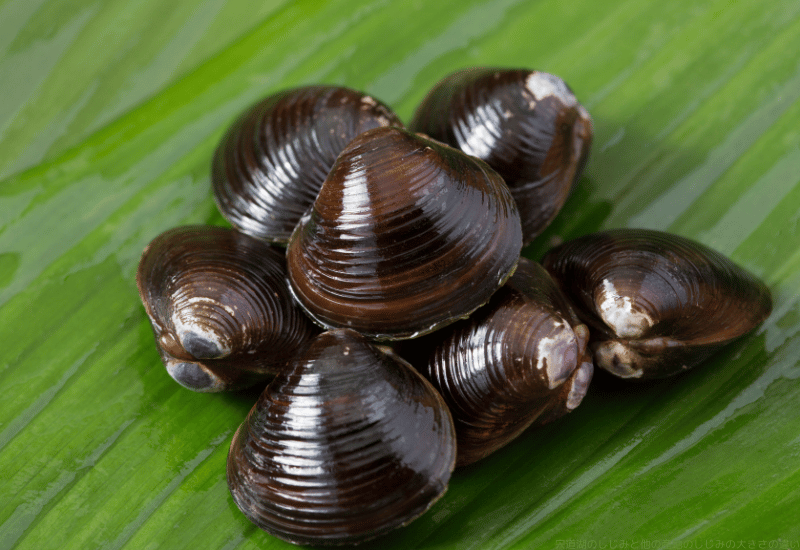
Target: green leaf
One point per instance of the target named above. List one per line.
(110, 112)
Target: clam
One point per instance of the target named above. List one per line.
(657, 304)
(525, 124)
(273, 160)
(217, 300)
(348, 443)
(406, 235)
(521, 360)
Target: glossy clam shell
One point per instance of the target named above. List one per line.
(519, 361)
(406, 235)
(527, 125)
(347, 444)
(270, 165)
(217, 300)
(657, 303)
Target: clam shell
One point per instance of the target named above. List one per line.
(657, 303)
(270, 165)
(347, 444)
(406, 236)
(527, 125)
(519, 361)
(217, 300)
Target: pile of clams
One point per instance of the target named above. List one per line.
(399, 334)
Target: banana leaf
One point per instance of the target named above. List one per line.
(110, 112)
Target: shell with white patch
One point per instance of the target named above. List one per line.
(625, 317)
(527, 125)
(543, 85)
(521, 360)
(219, 307)
(657, 303)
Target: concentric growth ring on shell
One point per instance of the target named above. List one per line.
(405, 236)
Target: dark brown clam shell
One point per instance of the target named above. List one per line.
(657, 303)
(406, 236)
(219, 306)
(270, 165)
(347, 444)
(519, 361)
(525, 124)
